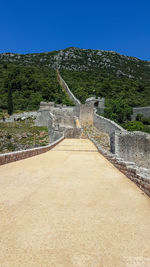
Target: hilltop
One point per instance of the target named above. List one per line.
(77, 59)
(88, 72)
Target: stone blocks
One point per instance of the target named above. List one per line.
(140, 176)
(14, 156)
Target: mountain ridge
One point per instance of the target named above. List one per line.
(74, 47)
(87, 71)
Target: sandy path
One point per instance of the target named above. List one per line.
(71, 207)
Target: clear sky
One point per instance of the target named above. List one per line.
(29, 26)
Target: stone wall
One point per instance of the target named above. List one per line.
(21, 116)
(59, 120)
(86, 114)
(105, 125)
(15, 156)
(140, 176)
(66, 88)
(141, 110)
(44, 118)
(132, 146)
(64, 116)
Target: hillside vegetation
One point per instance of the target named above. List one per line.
(32, 77)
(30, 85)
(21, 135)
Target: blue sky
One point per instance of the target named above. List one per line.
(38, 26)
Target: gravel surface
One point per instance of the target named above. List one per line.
(102, 138)
(71, 207)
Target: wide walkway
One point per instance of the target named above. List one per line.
(71, 207)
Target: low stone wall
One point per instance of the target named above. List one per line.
(18, 155)
(21, 116)
(106, 125)
(66, 88)
(140, 176)
(141, 110)
(132, 146)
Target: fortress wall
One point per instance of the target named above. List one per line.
(21, 116)
(43, 118)
(66, 88)
(59, 120)
(140, 176)
(86, 114)
(141, 110)
(66, 112)
(132, 146)
(105, 125)
(15, 156)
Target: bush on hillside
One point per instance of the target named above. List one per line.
(118, 111)
(133, 126)
(145, 121)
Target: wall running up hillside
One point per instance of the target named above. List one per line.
(106, 125)
(66, 88)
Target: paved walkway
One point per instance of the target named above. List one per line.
(71, 207)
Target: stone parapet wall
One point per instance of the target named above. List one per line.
(140, 176)
(15, 156)
(132, 146)
(106, 125)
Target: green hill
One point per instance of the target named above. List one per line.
(32, 77)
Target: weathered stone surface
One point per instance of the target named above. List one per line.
(21, 116)
(105, 125)
(140, 176)
(132, 146)
(14, 156)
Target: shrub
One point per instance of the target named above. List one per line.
(118, 110)
(10, 101)
(133, 126)
(139, 117)
(146, 121)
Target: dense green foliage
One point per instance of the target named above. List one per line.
(136, 126)
(118, 111)
(102, 83)
(87, 72)
(10, 101)
(29, 85)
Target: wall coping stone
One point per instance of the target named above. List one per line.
(119, 128)
(22, 154)
(140, 176)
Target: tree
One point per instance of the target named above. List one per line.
(10, 101)
(118, 110)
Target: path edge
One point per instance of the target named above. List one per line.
(24, 154)
(140, 176)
